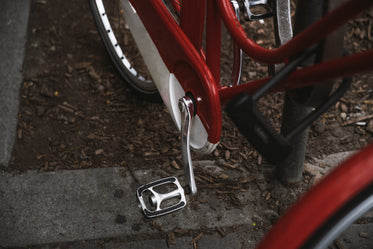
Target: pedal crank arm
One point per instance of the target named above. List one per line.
(153, 207)
(186, 106)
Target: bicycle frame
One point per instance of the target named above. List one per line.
(198, 71)
(187, 77)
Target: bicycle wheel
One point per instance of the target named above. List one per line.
(341, 220)
(329, 208)
(299, 103)
(121, 47)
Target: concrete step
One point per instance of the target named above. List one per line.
(74, 205)
(13, 29)
(97, 208)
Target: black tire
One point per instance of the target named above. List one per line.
(128, 63)
(339, 222)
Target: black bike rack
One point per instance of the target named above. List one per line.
(257, 129)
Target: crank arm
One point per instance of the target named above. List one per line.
(153, 207)
(186, 106)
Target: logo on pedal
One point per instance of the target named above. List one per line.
(161, 197)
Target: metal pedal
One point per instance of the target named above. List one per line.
(249, 15)
(151, 196)
(153, 206)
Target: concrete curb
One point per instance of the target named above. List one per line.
(75, 205)
(13, 30)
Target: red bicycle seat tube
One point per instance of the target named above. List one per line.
(193, 20)
(213, 39)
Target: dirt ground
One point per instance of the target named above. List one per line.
(77, 113)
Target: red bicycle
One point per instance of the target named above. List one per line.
(179, 59)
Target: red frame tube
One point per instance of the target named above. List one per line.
(184, 61)
(192, 18)
(213, 39)
(299, 43)
(325, 71)
(176, 4)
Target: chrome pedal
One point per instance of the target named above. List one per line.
(157, 197)
(156, 201)
(247, 6)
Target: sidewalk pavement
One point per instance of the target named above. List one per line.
(97, 208)
(83, 205)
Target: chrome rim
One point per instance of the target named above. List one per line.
(122, 59)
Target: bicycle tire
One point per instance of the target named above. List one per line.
(340, 220)
(322, 213)
(298, 103)
(135, 75)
